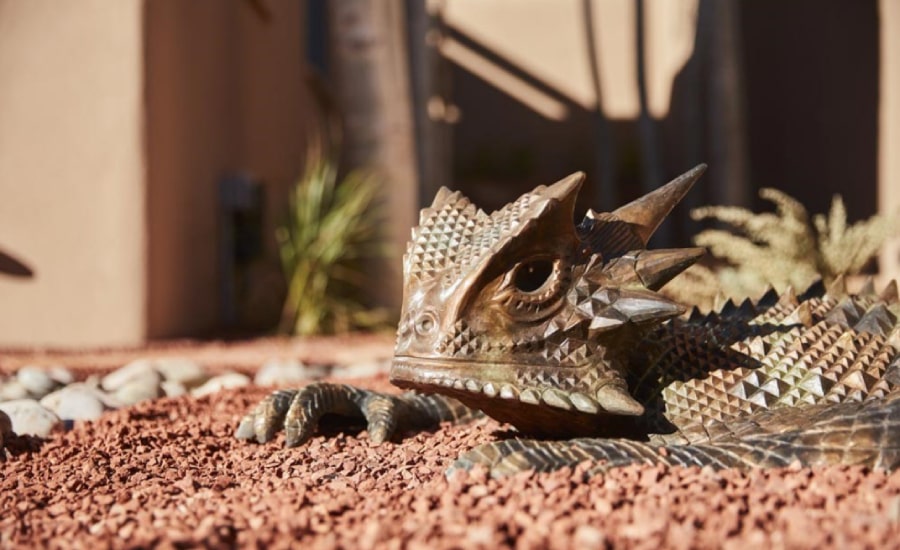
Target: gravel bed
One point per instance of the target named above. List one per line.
(167, 473)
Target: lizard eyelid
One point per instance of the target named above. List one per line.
(533, 288)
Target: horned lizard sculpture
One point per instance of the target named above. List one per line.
(559, 331)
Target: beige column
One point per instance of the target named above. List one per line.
(889, 130)
(72, 171)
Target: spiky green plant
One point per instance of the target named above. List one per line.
(781, 248)
(332, 229)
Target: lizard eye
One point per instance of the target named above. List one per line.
(530, 276)
(533, 288)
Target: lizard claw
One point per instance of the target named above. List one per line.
(381, 415)
(298, 412)
(268, 416)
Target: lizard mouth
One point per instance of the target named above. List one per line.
(484, 380)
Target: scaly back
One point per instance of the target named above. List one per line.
(784, 351)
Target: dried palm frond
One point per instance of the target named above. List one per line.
(781, 248)
(846, 249)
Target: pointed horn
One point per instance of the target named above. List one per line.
(868, 288)
(769, 297)
(658, 267)
(788, 297)
(838, 287)
(890, 295)
(646, 213)
(815, 290)
(565, 189)
(640, 306)
(441, 196)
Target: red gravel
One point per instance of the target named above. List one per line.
(169, 473)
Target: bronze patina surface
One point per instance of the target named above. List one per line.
(559, 330)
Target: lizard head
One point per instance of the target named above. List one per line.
(528, 317)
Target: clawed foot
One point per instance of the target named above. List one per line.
(298, 412)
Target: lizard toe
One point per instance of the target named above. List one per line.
(380, 412)
(267, 418)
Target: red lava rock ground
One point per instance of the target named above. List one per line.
(169, 474)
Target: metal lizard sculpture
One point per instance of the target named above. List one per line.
(558, 330)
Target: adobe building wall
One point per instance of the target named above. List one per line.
(117, 122)
(889, 131)
(226, 95)
(72, 172)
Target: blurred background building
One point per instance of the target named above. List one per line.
(147, 146)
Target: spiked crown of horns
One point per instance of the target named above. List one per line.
(455, 241)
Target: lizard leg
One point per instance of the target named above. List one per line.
(298, 412)
(862, 433)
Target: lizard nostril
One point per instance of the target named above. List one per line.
(426, 323)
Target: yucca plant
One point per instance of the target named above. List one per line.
(332, 229)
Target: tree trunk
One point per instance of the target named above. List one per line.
(369, 67)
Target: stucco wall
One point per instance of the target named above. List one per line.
(889, 131)
(118, 119)
(72, 171)
(225, 95)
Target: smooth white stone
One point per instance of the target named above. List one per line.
(280, 372)
(221, 382)
(11, 389)
(139, 388)
(173, 388)
(181, 369)
(363, 369)
(61, 374)
(119, 377)
(36, 380)
(27, 416)
(75, 402)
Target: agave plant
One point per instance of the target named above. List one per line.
(331, 231)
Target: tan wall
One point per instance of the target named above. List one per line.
(889, 130)
(225, 95)
(72, 171)
(117, 121)
(548, 39)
